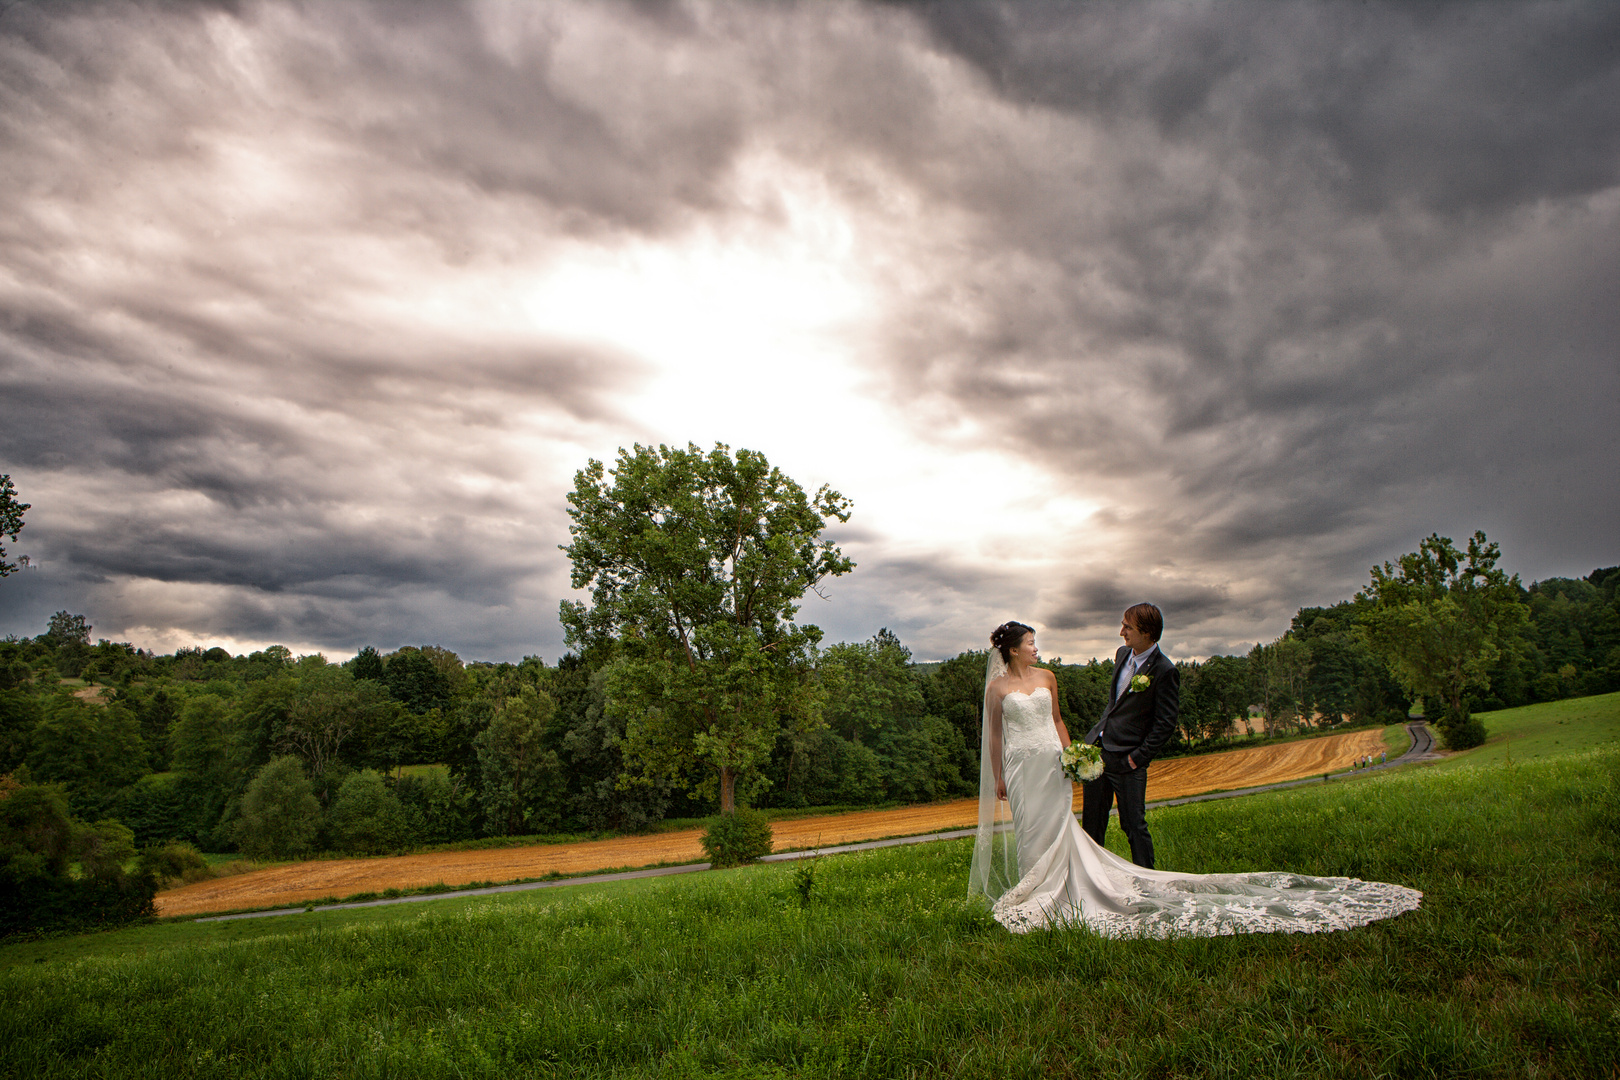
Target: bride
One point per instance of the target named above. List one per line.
(1039, 868)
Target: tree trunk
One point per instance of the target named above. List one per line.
(728, 790)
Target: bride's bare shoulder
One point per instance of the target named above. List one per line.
(1001, 686)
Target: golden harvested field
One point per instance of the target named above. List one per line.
(1260, 765)
(299, 882)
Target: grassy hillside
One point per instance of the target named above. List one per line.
(1507, 970)
(1550, 729)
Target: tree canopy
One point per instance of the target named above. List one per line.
(11, 523)
(697, 563)
(1439, 618)
(347, 758)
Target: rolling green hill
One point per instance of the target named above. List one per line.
(1508, 969)
(1548, 729)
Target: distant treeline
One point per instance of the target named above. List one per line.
(278, 755)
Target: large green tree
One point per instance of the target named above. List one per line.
(1346, 680)
(869, 687)
(367, 818)
(1219, 695)
(1439, 618)
(1280, 673)
(332, 717)
(92, 750)
(280, 813)
(68, 629)
(523, 786)
(11, 523)
(696, 564)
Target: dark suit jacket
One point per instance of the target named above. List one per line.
(1139, 723)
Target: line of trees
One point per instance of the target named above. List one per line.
(693, 688)
(281, 755)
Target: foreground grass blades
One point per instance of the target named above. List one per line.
(1507, 970)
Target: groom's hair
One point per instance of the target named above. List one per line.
(1147, 618)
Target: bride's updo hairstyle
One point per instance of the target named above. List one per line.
(1007, 636)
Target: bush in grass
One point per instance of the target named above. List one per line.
(1460, 730)
(734, 839)
(103, 849)
(367, 818)
(173, 861)
(280, 814)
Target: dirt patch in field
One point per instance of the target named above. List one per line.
(300, 882)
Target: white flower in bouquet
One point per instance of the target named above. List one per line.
(1081, 761)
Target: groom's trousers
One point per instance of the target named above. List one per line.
(1129, 786)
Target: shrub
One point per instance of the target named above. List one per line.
(1460, 730)
(804, 879)
(279, 812)
(103, 848)
(173, 861)
(1465, 736)
(734, 839)
(36, 903)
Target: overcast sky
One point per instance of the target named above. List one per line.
(310, 312)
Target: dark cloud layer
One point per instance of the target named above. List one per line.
(1278, 289)
(1333, 277)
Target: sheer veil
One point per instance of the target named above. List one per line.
(995, 851)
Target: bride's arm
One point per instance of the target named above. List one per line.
(1057, 713)
(992, 735)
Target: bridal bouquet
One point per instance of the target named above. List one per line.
(1081, 761)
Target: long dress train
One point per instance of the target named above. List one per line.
(1065, 877)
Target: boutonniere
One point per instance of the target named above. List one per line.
(1140, 683)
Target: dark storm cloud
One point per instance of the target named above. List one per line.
(1451, 105)
(429, 92)
(1093, 601)
(1326, 278)
(1278, 288)
(179, 348)
(938, 605)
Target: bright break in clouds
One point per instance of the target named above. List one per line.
(309, 312)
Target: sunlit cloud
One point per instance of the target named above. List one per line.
(310, 312)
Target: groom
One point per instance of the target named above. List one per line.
(1143, 704)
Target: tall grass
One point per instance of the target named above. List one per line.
(1507, 970)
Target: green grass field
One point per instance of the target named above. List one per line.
(1397, 739)
(1508, 970)
(1549, 729)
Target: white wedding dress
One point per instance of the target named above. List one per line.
(1064, 878)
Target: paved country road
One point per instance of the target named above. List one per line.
(1170, 782)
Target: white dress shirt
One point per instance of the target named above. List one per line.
(1133, 663)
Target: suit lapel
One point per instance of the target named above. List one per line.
(1114, 693)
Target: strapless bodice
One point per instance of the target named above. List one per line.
(1026, 724)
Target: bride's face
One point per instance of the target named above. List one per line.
(1027, 653)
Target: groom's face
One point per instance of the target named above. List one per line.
(1137, 640)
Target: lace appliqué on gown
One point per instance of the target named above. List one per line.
(1067, 879)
